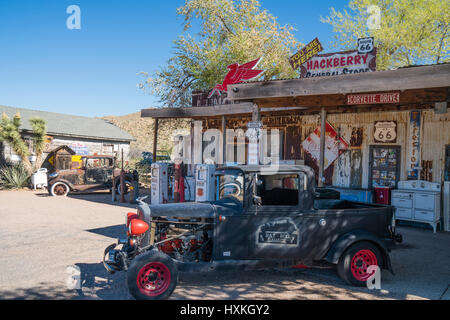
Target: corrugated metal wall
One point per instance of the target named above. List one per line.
(435, 134)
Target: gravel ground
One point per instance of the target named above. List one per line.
(40, 236)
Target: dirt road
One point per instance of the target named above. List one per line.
(41, 236)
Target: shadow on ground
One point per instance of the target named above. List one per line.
(100, 197)
(287, 284)
(115, 232)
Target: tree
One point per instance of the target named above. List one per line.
(10, 132)
(409, 31)
(39, 133)
(230, 31)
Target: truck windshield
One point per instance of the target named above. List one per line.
(231, 184)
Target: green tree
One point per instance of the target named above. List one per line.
(229, 32)
(10, 132)
(410, 31)
(39, 127)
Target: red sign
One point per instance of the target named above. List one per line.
(237, 74)
(374, 98)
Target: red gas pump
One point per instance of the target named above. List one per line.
(179, 181)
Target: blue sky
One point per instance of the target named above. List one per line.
(93, 71)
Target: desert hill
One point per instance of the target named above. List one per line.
(142, 130)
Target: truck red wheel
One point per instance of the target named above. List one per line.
(354, 262)
(152, 276)
(153, 279)
(360, 262)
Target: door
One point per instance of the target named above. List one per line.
(99, 171)
(384, 166)
(275, 225)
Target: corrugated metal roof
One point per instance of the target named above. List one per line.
(70, 125)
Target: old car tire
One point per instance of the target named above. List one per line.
(353, 264)
(59, 189)
(152, 276)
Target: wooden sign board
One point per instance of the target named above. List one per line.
(374, 98)
(339, 63)
(306, 53)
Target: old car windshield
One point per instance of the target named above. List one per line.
(231, 184)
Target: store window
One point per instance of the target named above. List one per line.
(384, 166)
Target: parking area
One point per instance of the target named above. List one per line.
(40, 236)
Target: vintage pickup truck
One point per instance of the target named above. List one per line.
(262, 219)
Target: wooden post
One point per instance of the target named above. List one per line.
(323, 118)
(254, 146)
(155, 139)
(191, 150)
(256, 114)
(114, 186)
(122, 183)
(224, 141)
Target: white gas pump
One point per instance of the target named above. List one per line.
(204, 186)
(160, 183)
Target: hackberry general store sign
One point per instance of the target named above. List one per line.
(338, 63)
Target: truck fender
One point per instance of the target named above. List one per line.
(345, 241)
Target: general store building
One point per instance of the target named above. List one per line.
(382, 127)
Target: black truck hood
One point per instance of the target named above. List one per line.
(197, 210)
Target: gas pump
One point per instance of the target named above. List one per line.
(160, 181)
(204, 186)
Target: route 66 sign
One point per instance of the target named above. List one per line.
(385, 132)
(365, 45)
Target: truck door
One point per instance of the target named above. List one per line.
(275, 220)
(98, 171)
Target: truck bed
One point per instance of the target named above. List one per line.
(327, 204)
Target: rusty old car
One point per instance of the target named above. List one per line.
(261, 219)
(87, 173)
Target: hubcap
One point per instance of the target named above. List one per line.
(60, 190)
(360, 262)
(153, 279)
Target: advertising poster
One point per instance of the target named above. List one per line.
(334, 146)
(413, 161)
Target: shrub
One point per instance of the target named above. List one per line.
(14, 176)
